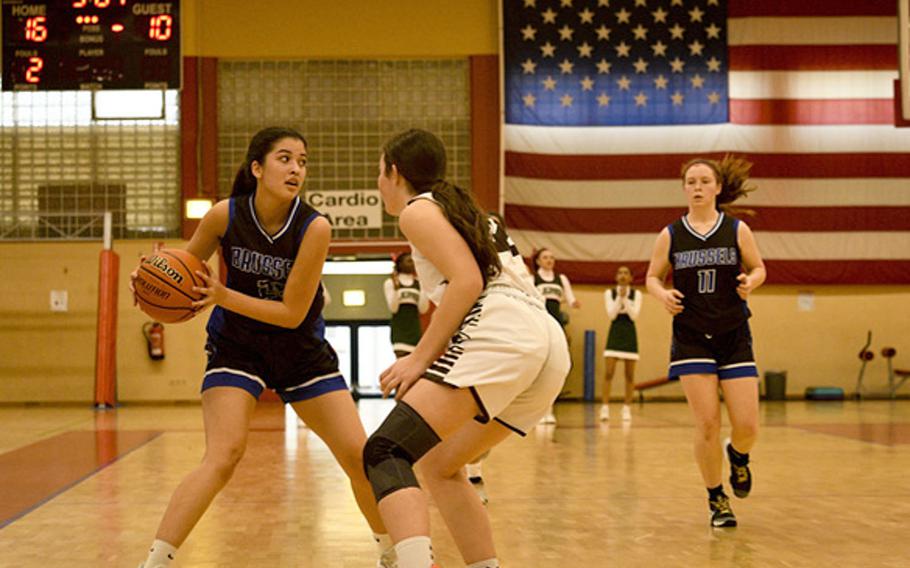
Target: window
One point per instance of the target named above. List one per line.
(60, 169)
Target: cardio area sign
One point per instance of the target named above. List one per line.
(348, 209)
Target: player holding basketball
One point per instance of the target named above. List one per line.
(504, 359)
(716, 265)
(266, 331)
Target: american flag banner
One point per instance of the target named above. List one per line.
(606, 99)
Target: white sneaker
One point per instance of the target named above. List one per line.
(550, 418)
(604, 413)
(626, 413)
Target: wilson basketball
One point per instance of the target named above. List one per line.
(164, 285)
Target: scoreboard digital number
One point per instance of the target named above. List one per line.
(90, 44)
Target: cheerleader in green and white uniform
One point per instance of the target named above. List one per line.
(556, 290)
(623, 306)
(406, 302)
(553, 286)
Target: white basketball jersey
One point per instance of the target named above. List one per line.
(514, 272)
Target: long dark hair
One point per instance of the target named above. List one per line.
(732, 175)
(421, 159)
(261, 144)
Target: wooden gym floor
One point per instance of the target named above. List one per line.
(80, 488)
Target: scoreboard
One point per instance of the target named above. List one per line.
(90, 44)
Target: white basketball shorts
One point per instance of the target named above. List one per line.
(512, 355)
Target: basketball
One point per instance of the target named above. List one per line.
(164, 285)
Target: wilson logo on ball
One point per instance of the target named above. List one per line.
(169, 271)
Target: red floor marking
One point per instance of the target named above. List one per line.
(36, 473)
(889, 434)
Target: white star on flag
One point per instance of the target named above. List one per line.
(676, 32)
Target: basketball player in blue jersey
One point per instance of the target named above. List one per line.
(490, 363)
(716, 265)
(266, 331)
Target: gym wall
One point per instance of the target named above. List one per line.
(49, 357)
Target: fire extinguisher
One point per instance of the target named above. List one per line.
(154, 338)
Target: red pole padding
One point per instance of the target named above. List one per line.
(106, 346)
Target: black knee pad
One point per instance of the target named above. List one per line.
(392, 450)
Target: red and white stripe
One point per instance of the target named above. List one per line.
(811, 105)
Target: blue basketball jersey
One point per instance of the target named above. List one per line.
(705, 268)
(258, 265)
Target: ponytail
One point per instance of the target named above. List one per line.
(244, 181)
(472, 224)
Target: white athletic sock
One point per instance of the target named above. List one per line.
(385, 547)
(160, 554)
(488, 563)
(414, 552)
(383, 541)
